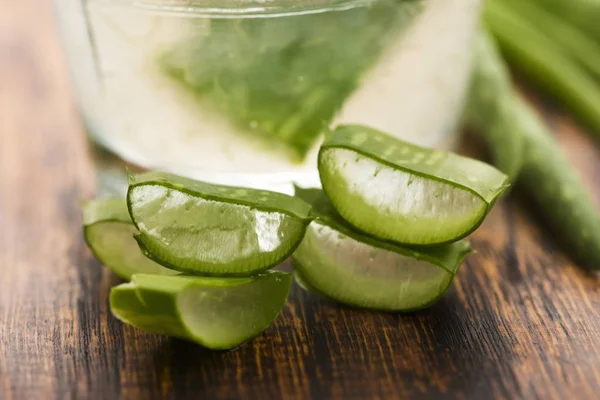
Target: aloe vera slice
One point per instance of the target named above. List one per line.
(343, 265)
(218, 313)
(207, 229)
(108, 232)
(408, 194)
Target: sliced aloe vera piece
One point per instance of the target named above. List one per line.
(304, 284)
(343, 265)
(207, 229)
(108, 232)
(218, 313)
(397, 191)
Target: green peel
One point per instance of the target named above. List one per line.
(397, 191)
(206, 229)
(108, 232)
(216, 313)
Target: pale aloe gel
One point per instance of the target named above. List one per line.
(356, 273)
(400, 202)
(225, 313)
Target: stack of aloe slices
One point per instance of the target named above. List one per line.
(390, 220)
(197, 256)
(385, 233)
(340, 263)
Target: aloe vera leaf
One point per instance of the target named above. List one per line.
(542, 61)
(108, 232)
(490, 111)
(408, 194)
(547, 176)
(584, 14)
(207, 229)
(285, 78)
(568, 38)
(348, 267)
(217, 313)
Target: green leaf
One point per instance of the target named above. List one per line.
(490, 110)
(547, 177)
(543, 61)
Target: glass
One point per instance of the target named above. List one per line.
(240, 91)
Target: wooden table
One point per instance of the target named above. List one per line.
(522, 321)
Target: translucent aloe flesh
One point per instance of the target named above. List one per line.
(108, 231)
(350, 268)
(218, 313)
(207, 229)
(397, 191)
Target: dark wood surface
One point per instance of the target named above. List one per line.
(522, 321)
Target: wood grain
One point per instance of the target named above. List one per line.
(522, 321)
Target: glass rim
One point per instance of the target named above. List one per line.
(242, 8)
